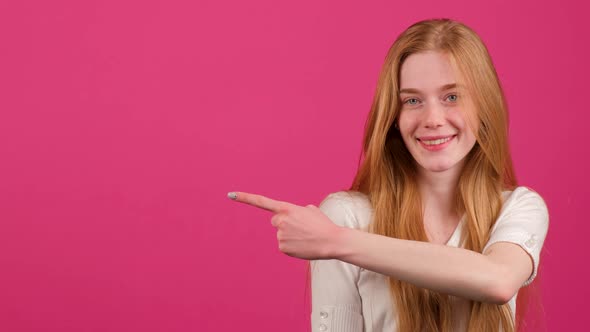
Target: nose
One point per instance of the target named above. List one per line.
(434, 116)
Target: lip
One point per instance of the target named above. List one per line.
(432, 138)
(437, 147)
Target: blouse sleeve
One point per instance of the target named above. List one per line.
(336, 303)
(523, 220)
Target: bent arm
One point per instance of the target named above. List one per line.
(509, 260)
(491, 277)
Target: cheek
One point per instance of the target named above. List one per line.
(468, 134)
(460, 121)
(468, 129)
(407, 133)
(465, 116)
(407, 124)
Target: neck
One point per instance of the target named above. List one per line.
(438, 190)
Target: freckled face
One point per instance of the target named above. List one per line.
(432, 122)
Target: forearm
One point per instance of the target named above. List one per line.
(441, 268)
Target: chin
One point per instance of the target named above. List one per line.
(439, 167)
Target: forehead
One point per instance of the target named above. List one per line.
(427, 71)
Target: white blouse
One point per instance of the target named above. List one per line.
(347, 298)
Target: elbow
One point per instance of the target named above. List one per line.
(500, 295)
(500, 286)
(501, 291)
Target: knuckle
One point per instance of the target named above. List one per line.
(284, 208)
(278, 222)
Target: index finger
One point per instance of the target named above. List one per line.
(259, 201)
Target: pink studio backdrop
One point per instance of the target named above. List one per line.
(123, 124)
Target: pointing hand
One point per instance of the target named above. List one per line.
(302, 232)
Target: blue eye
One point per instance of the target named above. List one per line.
(452, 98)
(412, 101)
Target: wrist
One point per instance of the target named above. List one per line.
(340, 243)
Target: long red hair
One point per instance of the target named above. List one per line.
(387, 174)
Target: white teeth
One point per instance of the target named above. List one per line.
(437, 141)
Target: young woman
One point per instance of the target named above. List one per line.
(434, 234)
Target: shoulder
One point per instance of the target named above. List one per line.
(523, 207)
(347, 208)
(523, 198)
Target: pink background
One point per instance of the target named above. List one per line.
(123, 124)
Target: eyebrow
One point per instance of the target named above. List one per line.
(442, 88)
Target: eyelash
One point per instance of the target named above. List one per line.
(447, 97)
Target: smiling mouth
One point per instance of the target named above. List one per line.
(436, 143)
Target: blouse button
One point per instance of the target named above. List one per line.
(323, 315)
(323, 327)
(531, 241)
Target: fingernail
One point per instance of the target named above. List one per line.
(232, 195)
